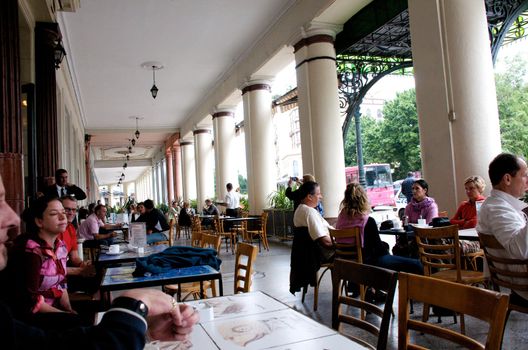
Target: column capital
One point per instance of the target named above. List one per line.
(201, 131)
(186, 143)
(257, 84)
(225, 113)
(317, 32)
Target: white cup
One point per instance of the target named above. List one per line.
(396, 224)
(421, 222)
(113, 249)
(206, 312)
(141, 250)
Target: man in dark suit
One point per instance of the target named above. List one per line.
(62, 187)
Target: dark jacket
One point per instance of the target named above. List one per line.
(51, 192)
(152, 218)
(117, 330)
(305, 260)
(177, 257)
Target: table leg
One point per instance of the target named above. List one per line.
(221, 285)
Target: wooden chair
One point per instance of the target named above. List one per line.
(485, 305)
(505, 272)
(246, 254)
(364, 275)
(193, 288)
(344, 250)
(439, 251)
(240, 228)
(260, 232)
(196, 238)
(228, 236)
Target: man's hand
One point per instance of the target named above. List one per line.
(167, 320)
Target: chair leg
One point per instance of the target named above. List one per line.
(425, 313)
(462, 324)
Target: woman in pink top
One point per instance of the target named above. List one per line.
(37, 266)
(422, 206)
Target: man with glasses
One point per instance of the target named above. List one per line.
(76, 266)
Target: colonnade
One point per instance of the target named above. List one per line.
(458, 117)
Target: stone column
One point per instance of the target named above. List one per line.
(319, 118)
(204, 158)
(188, 170)
(46, 35)
(455, 95)
(11, 151)
(177, 172)
(225, 155)
(170, 176)
(260, 150)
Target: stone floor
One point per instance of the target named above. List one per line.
(271, 276)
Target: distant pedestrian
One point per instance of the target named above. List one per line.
(406, 186)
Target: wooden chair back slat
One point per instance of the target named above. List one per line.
(485, 305)
(364, 275)
(349, 249)
(504, 272)
(211, 241)
(244, 269)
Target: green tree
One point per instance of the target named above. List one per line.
(512, 100)
(394, 140)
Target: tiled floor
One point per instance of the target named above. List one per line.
(272, 276)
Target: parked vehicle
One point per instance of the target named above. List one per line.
(380, 188)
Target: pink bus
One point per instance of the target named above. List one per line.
(380, 189)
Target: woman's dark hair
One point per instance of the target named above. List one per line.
(307, 188)
(423, 185)
(504, 163)
(91, 207)
(36, 210)
(83, 213)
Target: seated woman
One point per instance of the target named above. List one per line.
(466, 215)
(354, 212)
(421, 206)
(184, 219)
(37, 268)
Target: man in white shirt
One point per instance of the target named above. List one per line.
(503, 214)
(232, 201)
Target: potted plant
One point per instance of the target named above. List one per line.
(280, 220)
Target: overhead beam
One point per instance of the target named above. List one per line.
(367, 20)
(119, 163)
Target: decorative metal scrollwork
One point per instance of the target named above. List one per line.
(507, 20)
(357, 74)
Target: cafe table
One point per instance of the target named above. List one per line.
(467, 234)
(253, 321)
(126, 254)
(121, 278)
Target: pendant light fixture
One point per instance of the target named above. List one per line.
(154, 66)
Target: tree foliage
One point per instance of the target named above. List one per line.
(512, 99)
(395, 139)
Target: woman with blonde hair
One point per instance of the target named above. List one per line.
(355, 209)
(466, 215)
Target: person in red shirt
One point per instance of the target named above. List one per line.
(76, 266)
(466, 215)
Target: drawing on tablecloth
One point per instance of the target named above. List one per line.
(234, 305)
(264, 330)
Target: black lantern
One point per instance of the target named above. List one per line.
(130, 149)
(137, 133)
(125, 165)
(58, 54)
(154, 88)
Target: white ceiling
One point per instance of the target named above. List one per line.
(197, 41)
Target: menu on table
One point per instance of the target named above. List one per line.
(137, 233)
